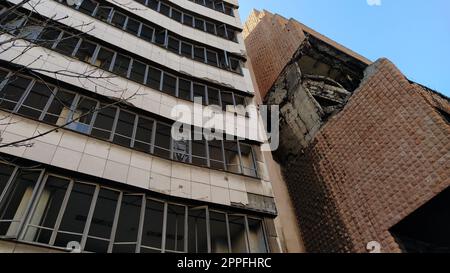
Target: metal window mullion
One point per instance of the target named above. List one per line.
(94, 116)
(24, 95)
(115, 223)
(130, 67)
(8, 184)
(186, 227)
(208, 159)
(146, 74)
(177, 86)
(89, 217)
(139, 29)
(223, 155)
(113, 61)
(247, 233)
(163, 242)
(95, 55)
(49, 103)
(133, 135)
(61, 212)
(125, 24)
(208, 230)
(141, 224)
(114, 127)
(153, 140)
(228, 233)
(238, 144)
(77, 47)
(161, 79)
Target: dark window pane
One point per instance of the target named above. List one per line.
(188, 20)
(153, 4)
(154, 78)
(231, 34)
(219, 6)
(38, 235)
(48, 37)
(199, 147)
(13, 91)
(229, 10)
(36, 100)
(96, 245)
(199, 54)
(256, 238)
(169, 84)
(175, 238)
(164, 9)
(144, 132)
(5, 173)
(103, 217)
(63, 239)
(176, 15)
(124, 128)
(103, 13)
(219, 234)
(147, 33)
(210, 3)
(121, 65)
(210, 27)
(197, 240)
(199, 24)
(237, 234)
(104, 59)
(199, 92)
(88, 7)
(138, 71)
(232, 156)
(59, 109)
(186, 50)
(77, 209)
(160, 37)
(16, 200)
(162, 140)
(153, 224)
(133, 26)
(67, 44)
(130, 211)
(118, 19)
(235, 65)
(227, 101)
(212, 58)
(221, 31)
(216, 154)
(214, 96)
(184, 89)
(174, 45)
(104, 122)
(85, 51)
(82, 115)
(124, 248)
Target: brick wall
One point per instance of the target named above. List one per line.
(381, 158)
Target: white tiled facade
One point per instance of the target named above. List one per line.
(79, 153)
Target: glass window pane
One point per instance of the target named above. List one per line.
(88, 7)
(104, 122)
(85, 51)
(221, 31)
(169, 84)
(215, 154)
(104, 212)
(176, 216)
(5, 173)
(82, 115)
(256, 238)
(199, 24)
(77, 209)
(144, 132)
(118, 19)
(248, 160)
(212, 58)
(138, 71)
(16, 201)
(186, 50)
(63, 239)
(133, 26)
(104, 59)
(121, 65)
(153, 4)
(162, 140)
(199, 92)
(227, 101)
(67, 44)
(103, 13)
(128, 225)
(199, 54)
(13, 91)
(59, 109)
(160, 37)
(147, 33)
(154, 78)
(96, 245)
(210, 27)
(219, 234)
(174, 45)
(184, 89)
(197, 240)
(214, 96)
(36, 100)
(238, 235)
(235, 65)
(124, 128)
(164, 9)
(188, 20)
(199, 153)
(176, 15)
(232, 156)
(48, 37)
(153, 224)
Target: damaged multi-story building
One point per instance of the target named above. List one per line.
(364, 152)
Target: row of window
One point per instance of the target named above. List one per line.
(45, 102)
(123, 65)
(218, 5)
(52, 210)
(162, 37)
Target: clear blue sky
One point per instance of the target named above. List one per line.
(414, 34)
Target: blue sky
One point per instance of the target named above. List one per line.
(414, 34)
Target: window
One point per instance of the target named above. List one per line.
(232, 156)
(238, 235)
(248, 160)
(59, 109)
(199, 153)
(82, 116)
(199, 24)
(223, 60)
(198, 236)
(144, 135)
(240, 105)
(164, 9)
(219, 6)
(219, 232)
(5, 173)
(199, 92)
(199, 54)
(12, 23)
(118, 20)
(103, 13)
(235, 65)
(212, 58)
(153, 4)
(88, 7)
(210, 27)
(229, 9)
(175, 231)
(46, 211)
(13, 91)
(86, 51)
(36, 100)
(154, 78)
(169, 84)
(216, 160)
(153, 227)
(124, 128)
(133, 26)
(257, 239)
(67, 44)
(176, 15)
(104, 122)
(227, 101)
(231, 34)
(128, 225)
(184, 89)
(49, 37)
(138, 71)
(188, 20)
(160, 37)
(214, 96)
(222, 31)
(174, 45)
(147, 33)
(121, 65)
(104, 58)
(162, 140)
(100, 229)
(210, 4)
(181, 150)
(75, 214)
(186, 50)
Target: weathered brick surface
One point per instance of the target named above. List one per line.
(382, 157)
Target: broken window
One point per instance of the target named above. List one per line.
(86, 51)
(175, 237)
(118, 20)
(88, 7)
(104, 58)
(144, 135)
(219, 232)
(36, 100)
(124, 128)
(257, 239)
(184, 89)
(238, 234)
(154, 78)
(59, 109)
(67, 44)
(162, 140)
(153, 227)
(126, 236)
(13, 91)
(147, 33)
(104, 122)
(121, 65)
(169, 84)
(133, 26)
(137, 72)
(82, 116)
(198, 236)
